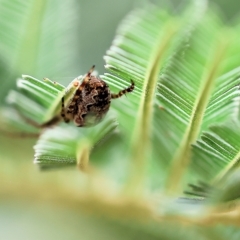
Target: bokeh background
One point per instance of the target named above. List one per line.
(59, 40)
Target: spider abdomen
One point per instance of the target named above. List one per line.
(93, 104)
(91, 101)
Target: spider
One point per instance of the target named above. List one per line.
(88, 105)
(91, 101)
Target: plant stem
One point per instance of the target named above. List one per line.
(182, 157)
(83, 152)
(140, 146)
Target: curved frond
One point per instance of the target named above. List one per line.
(42, 41)
(193, 94)
(34, 98)
(143, 42)
(60, 146)
(217, 153)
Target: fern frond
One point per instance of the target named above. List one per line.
(60, 146)
(139, 50)
(42, 25)
(190, 86)
(216, 154)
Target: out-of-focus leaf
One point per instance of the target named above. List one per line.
(35, 97)
(216, 154)
(193, 96)
(65, 145)
(144, 41)
(42, 43)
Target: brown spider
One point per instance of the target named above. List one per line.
(89, 104)
(91, 101)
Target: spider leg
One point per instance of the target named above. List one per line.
(31, 122)
(19, 134)
(124, 91)
(86, 78)
(72, 106)
(51, 122)
(63, 114)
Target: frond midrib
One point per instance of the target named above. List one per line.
(143, 127)
(181, 159)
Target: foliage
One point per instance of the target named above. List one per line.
(33, 45)
(180, 125)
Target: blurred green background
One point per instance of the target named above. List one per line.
(58, 40)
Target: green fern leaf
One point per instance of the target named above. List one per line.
(24, 48)
(216, 154)
(143, 42)
(192, 94)
(64, 146)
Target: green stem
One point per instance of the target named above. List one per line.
(182, 157)
(83, 152)
(226, 171)
(140, 146)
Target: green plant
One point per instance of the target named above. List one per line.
(180, 125)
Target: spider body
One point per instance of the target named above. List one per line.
(91, 101)
(90, 104)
